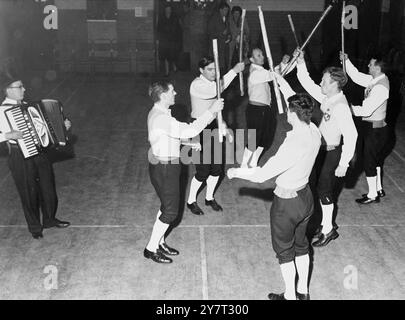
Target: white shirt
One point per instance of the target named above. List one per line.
(374, 106)
(203, 92)
(258, 86)
(337, 118)
(4, 125)
(165, 132)
(293, 161)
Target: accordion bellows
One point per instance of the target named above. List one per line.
(42, 124)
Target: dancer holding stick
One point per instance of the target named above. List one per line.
(310, 36)
(204, 91)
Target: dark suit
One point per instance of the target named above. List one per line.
(220, 30)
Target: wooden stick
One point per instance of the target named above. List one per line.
(269, 57)
(343, 34)
(242, 91)
(218, 80)
(293, 30)
(325, 13)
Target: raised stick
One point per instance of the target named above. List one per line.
(269, 57)
(343, 34)
(293, 30)
(325, 13)
(242, 91)
(218, 80)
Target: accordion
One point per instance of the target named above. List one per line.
(42, 125)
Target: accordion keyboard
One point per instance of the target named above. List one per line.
(19, 121)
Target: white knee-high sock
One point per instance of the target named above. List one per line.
(158, 231)
(194, 186)
(302, 264)
(255, 157)
(246, 157)
(379, 181)
(372, 187)
(327, 213)
(288, 272)
(211, 184)
(162, 240)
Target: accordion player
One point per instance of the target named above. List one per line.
(42, 125)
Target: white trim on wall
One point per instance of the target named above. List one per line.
(281, 5)
(131, 4)
(71, 4)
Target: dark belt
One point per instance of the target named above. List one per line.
(377, 124)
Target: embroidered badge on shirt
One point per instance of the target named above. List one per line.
(326, 115)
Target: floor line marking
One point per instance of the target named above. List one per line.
(57, 86)
(396, 184)
(398, 155)
(204, 272)
(75, 91)
(207, 226)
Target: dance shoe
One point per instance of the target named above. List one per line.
(302, 296)
(367, 200)
(157, 256)
(276, 296)
(37, 235)
(195, 209)
(57, 224)
(380, 193)
(318, 231)
(325, 239)
(213, 204)
(168, 250)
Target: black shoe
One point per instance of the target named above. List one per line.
(325, 239)
(157, 256)
(57, 224)
(318, 231)
(213, 204)
(37, 235)
(168, 250)
(195, 209)
(302, 296)
(62, 224)
(276, 296)
(367, 200)
(380, 193)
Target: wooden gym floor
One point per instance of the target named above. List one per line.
(105, 192)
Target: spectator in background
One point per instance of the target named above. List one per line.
(218, 28)
(169, 39)
(235, 24)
